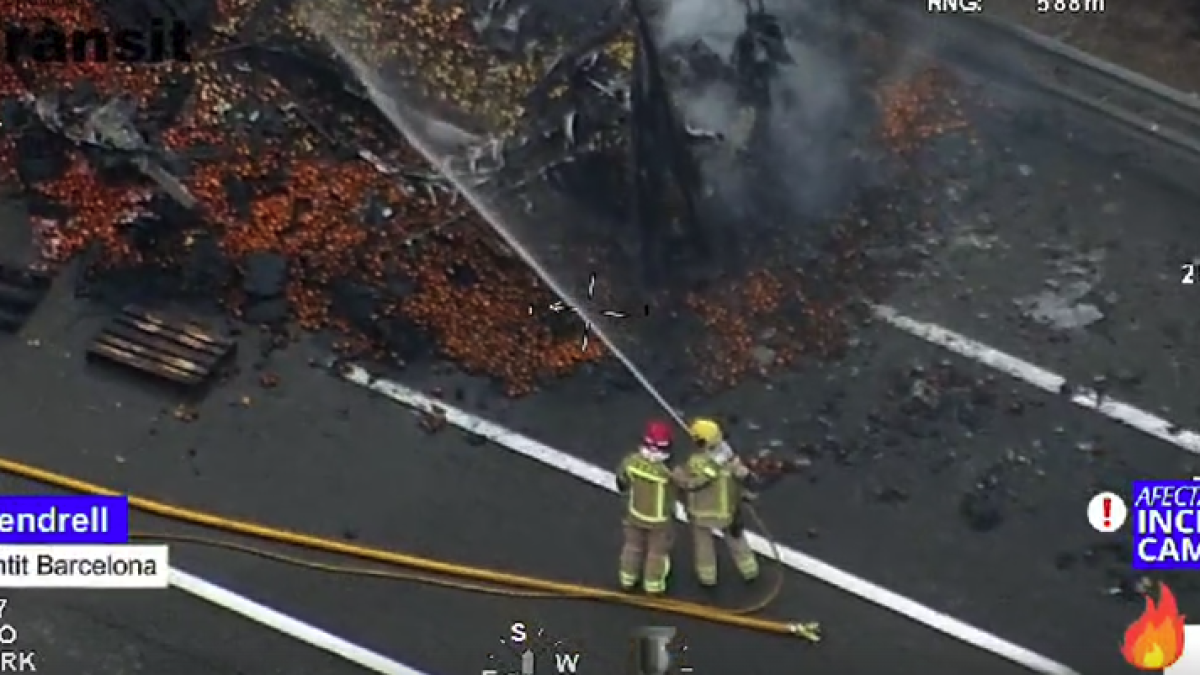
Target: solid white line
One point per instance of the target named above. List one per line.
(1043, 379)
(294, 628)
(793, 559)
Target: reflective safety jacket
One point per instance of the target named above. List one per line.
(649, 489)
(714, 489)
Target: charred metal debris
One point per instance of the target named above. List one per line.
(606, 133)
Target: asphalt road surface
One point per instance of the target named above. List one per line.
(1051, 218)
(939, 478)
(321, 456)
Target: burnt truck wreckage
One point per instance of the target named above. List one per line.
(651, 182)
(701, 197)
(613, 135)
(656, 178)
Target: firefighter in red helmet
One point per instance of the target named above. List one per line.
(649, 487)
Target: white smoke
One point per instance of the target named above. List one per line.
(687, 20)
(812, 101)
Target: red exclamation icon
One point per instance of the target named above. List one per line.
(1106, 512)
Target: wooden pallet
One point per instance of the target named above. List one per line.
(176, 351)
(21, 291)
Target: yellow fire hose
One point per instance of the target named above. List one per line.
(419, 569)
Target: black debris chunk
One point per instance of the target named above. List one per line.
(267, 311)
(983, 506)
(265, 276)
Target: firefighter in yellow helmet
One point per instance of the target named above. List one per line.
(714, 485)
(649, 487)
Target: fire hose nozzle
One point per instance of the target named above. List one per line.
(810, 631)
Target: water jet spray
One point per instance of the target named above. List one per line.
(405, 122)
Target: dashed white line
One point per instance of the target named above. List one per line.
(289, 626)
(1039, 377)
(800, 562)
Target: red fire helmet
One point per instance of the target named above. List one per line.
(658, 435)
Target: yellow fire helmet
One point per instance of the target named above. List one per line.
(706, 432)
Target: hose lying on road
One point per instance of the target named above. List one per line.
(420, 569)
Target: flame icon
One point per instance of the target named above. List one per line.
(1155, 641)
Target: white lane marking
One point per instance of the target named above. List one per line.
(793, 559)
(1132, 417)
(294, 628)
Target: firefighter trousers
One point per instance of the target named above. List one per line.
(646, 555)
(705, 554)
